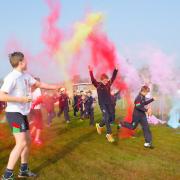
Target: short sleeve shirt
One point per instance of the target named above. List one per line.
(35, 95)
(18, 84)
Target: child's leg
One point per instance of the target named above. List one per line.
(91, 116)
(38, 124)
(24, 171)
(146, 130)
(81, 113)
(105, 119)
(75, 110)
(21, 143)
(38, 133)
(112, 111)
(49, 119)
(132, 125)
(33, 130)
(66, 114)
(51, 115)
(60, 111)
(25, 152)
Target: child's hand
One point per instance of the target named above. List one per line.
(149, 112)
(25, 99)
(155, 98)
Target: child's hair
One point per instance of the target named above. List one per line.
(145, 89)
(15, 58)
(62, 89)
(104, 76)
(89, 91)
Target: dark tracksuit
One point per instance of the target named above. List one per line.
(64, 106)
(139, 116)
(114, 98)
(81, 106)
(75, 104)
(89, 110)
(104, 100)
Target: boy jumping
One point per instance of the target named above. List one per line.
(105, 101)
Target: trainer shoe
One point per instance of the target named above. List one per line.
(9, 178)
(148, 145)
(25, 174)
(99, 129)
(119, 126)
(110, 138)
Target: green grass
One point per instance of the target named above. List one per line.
(76, 151)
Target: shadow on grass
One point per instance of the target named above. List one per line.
(67, 149)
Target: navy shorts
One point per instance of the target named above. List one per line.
(17, 121)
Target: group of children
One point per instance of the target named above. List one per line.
(47, 101)
(84, 102)
(106, 105)
(17, 89)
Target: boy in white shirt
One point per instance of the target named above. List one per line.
(16, 91)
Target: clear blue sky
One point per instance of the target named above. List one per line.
(127, 22)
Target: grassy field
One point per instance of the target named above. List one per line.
(76, 151)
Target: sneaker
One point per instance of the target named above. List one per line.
(119, 126)
(25, 174)
(9, 178)
(99, 129)
(133, 136)
(110, 138)
(148, 145)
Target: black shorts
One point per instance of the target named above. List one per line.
(17, 121)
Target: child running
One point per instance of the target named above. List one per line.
(139, 116)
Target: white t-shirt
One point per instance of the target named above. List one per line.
(18, 84)
(149, 96)
(35, 95)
